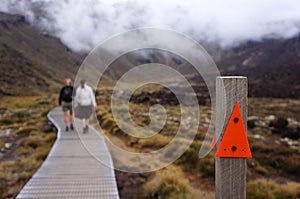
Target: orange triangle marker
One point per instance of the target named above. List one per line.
(213, 142)
(234, 143)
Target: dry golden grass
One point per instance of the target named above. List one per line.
(171, 183)
(270, 160)
(31, 144)
(155, 141)
(168, 183)
(18, 102)
(262, 188)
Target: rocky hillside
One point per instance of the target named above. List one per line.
(272, 67)
(31, 61)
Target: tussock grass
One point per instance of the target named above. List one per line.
(270, 159)
(24, 102)
(31, 144)
(168, 183)
(25, 130)
(261, 189)
(155, 141)
(204, 167)
(283, 161)
(6, 121)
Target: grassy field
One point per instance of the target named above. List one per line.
(26, 137)
(273, 170)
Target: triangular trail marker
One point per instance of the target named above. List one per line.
(213, 142)
(234, 143)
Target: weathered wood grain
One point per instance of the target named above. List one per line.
(230, 172)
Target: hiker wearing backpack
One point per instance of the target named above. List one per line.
(65, 101)
(86, 101)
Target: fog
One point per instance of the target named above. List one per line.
(82, 24)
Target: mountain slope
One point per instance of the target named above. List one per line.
(31, 61)
(272, 67)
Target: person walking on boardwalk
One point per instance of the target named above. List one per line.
(86, 101)
(65, 101)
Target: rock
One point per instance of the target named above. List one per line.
(207, 120)
(251, 163)
(270, 118)
(293, 122)
(259, 137)
(290, 142)
(8, 145)
(254, 118)
(7, 132)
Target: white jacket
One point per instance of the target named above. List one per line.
(87, 98)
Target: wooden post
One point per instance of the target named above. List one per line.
(230, 172)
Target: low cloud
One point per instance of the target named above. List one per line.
(82, 24)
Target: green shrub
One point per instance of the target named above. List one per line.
(190, 155)
(25, 130)
(21, 114)
(206, 166)
(6, 121)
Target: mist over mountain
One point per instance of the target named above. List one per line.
(82, 24)
(259, 40)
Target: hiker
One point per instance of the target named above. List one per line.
(86, 104)
(65, 101)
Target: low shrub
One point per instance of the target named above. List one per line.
(21, 114)
(155, 141)
(6, 121)
(168, 183)
(205, 167)
(3, 109)
(261, 189)
(25, 130)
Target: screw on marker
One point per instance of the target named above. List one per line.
(233, 148)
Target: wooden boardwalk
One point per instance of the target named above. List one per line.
(70, 171)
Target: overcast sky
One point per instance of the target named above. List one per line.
(82, 24)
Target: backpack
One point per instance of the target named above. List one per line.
(85, 97)
(67, 94)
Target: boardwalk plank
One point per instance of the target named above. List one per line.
(70, 171)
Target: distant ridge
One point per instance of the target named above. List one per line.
(33, 62)
(272, 67)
